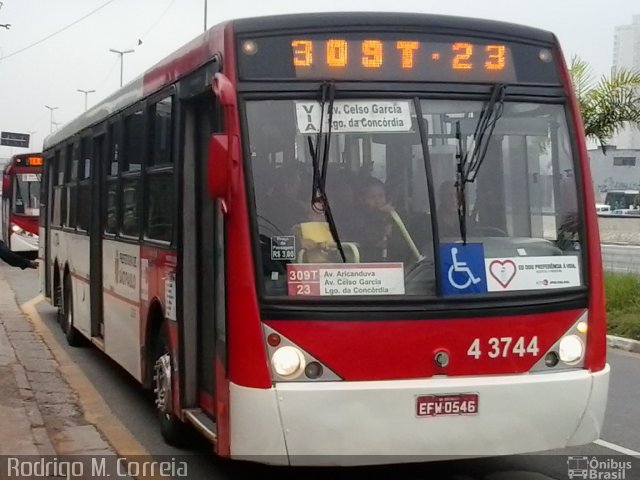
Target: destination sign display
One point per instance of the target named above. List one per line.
(402, 57)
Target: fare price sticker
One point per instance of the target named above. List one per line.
(336, 279)
(355, 116)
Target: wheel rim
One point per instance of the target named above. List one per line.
(162, 380)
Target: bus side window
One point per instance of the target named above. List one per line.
(84, 185)
(111, 204)
(130, 206)
(59, 206)
(161, 131)
(71, 185)
(160, 204)
(159, 217)
(133, 141)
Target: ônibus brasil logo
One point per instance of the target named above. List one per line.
(597, 469)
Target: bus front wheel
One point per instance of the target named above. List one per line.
(171, 428)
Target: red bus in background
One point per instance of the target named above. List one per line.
(340, 238)
(21, 202)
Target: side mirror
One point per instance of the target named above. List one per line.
(224, 148)
(224, 158)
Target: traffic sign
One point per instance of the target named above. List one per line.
(12, 139)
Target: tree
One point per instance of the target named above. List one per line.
(607, 104)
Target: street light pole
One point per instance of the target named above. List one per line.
(86, 94)
(51, 109)
(31, 132)
(205, 15)
(121, 53)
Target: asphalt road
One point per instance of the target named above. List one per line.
(126, 399)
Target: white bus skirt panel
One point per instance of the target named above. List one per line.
(359, 423)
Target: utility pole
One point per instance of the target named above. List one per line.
(205, 15)
(121, 53)
(51, 109)
(86, 94)
(31, 132)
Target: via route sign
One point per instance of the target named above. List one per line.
(12, 139)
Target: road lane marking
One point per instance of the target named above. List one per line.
(611, 245)
(617, 448)
(96, 411)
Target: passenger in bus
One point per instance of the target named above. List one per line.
(321, 247)
(14, 259)
(373, 224)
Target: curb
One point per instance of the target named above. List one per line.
(622, 343)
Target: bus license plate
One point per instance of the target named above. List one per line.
(456, 404)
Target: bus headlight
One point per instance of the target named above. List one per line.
(288, 362)
(16, 229)
(571, 349)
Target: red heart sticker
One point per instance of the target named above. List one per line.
(503, 271)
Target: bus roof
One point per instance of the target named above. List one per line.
(203, 48)
(434, 23)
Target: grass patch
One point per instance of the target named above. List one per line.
(623, 304)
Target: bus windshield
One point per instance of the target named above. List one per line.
(26, 194)
(521, 207)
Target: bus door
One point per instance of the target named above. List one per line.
(95, 265)
(203, 243)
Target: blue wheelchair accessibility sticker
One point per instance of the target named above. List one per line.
(462, 268)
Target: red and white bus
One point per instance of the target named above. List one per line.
(341, 239)
(21, 202)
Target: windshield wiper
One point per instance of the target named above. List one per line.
(319, 200)
(468, 166)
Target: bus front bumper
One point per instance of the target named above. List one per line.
(360, 423)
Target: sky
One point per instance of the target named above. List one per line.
(78, 57)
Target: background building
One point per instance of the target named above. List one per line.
(619, 169)
(626, 54)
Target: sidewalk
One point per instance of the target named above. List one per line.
(39, 412)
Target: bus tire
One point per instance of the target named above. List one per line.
(57, 295)
(72, 335)
(173, 430)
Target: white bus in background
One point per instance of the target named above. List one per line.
(619, 199)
